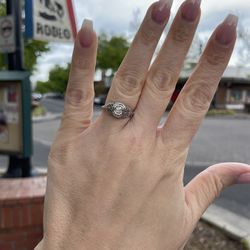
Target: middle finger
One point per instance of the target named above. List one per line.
(165, 71)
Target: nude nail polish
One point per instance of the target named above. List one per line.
(244, 179)
(191, 10)
(161, 11)
(86, 33)
(226, 32)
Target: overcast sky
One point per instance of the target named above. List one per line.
(114, 17)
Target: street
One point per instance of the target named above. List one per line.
(218, 140)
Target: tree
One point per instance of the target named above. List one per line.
(244, 45)
(32, 49)
(111, 52)
(58, 79)
(135, 23)
(194, 52)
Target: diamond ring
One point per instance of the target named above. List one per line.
(118, 110)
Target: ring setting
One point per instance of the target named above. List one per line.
(118, 110)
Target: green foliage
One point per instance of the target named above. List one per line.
(43, 87)
(2, 9)
(32, 49)
(110, 55)
(39, 111)
(58, 79)
(111, 52)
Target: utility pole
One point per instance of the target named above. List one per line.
(18, 166)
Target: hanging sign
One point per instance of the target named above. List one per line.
(7, 34)
(50, 20)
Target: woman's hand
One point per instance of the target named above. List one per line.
(118, 183)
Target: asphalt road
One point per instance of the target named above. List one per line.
(52, 105)
(218, 140)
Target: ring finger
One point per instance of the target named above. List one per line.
(129, 79)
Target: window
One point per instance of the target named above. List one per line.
(248, 97)
(236, 96)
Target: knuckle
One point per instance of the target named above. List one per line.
(129, 84)
(214, 183)
(80, 62)
(148, 34)
(181, 33)
(216, 55)
(198, 97)
(75, 97)
(161, 80)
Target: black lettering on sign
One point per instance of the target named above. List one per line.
(53, 10)
(39, 29)
(47, 30)
(52, 31)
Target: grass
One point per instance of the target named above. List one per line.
(220, 112)
(38, 111)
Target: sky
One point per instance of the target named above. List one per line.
(114, 17)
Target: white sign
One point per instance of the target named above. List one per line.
(50, 20)
(7, 34)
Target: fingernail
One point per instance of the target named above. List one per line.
(244, 179)
(191, 10)
(161, 11)
(226, 32)
(86, 33)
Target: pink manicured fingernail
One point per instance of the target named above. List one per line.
(191, 10)
(244, 178)
(86, 33)
(161, 11)
(226, 32)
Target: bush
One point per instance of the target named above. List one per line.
(38, 111)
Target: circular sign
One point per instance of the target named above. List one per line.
(6, 28)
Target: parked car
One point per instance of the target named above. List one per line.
(36, 97)
(53, 95)
(100, 100)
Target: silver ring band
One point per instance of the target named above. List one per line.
(118, 110)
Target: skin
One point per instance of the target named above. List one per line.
(118, 183)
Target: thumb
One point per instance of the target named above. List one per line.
(208, 185)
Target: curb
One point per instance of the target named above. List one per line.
(228, 117)
(48, 117)
(234, 225)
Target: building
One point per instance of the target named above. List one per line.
(233, 91)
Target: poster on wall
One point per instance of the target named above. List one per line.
(4, 131)
(11, 104)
